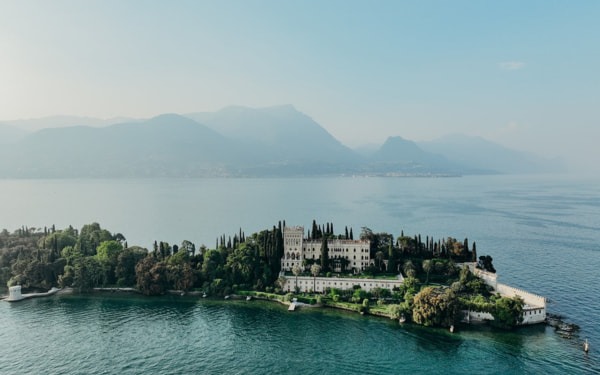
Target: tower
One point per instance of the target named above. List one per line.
(293, 250)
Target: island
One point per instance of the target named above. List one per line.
(427, 281)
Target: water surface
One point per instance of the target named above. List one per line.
(542, 231)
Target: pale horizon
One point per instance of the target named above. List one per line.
(519, 74)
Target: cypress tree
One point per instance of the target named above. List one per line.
(391, 258)
(346, 229)
(351, 235)
(324, 255)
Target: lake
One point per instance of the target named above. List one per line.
(542, 232)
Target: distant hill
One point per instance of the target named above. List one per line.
(235, 141)
(10, 134)
(480, 154)
(400, 154)
(32, 125)
(167, 145)
(281, 133)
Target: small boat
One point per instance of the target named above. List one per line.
(248, 298)
(586, 346)
(402, 319)
(204, 295)
(227, 297)
(452, 328)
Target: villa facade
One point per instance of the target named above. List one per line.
(344, 255)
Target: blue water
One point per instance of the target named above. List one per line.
(542, 232)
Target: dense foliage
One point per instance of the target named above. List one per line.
(94, 257)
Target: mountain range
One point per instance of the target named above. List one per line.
(234, 142)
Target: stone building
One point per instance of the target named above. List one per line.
(344, 255)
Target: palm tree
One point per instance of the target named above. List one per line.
(281, 282)
(379, 257)
(315, 269)
(296, 270)
(427, 265)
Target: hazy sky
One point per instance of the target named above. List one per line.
(522, 73)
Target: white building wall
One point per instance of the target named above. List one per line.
(477, 316)
(14, 293)
(320, 284)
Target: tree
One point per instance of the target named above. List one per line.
(107, 254)
(324, 255)
(485, 262)
(436, 307)
(151, 276)
(508, 312)
(86, 273)
(92, 235)
(409, 269)
(315, 269)
(366, 233)
(57, 241)
(427, 265)
(180, 275)
(379, 258)
(391, 256)
(126, 261)
(296, 270)
(189, 247)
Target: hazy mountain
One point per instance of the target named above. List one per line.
(401, 155)
(10, 134)
(278, 133)
(167, 145)
(32, 125)
(479, 153)
(236, 141)
(271, 141)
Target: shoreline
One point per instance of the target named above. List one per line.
(253, 294)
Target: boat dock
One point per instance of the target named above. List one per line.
(15, 294)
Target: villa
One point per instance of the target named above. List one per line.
(345, 255)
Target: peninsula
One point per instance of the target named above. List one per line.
(433, 282)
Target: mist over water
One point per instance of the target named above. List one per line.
(542, 232)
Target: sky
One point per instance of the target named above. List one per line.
(520, 73)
